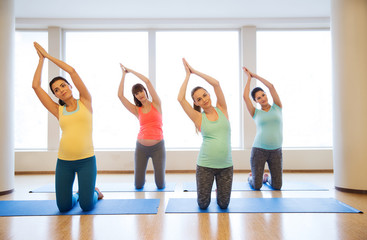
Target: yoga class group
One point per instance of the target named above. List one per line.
(76, 152)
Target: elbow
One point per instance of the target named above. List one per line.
(120, 96)
(35, 86)
(271, 86)
(180, 99)
(216, 83)
(72, 71)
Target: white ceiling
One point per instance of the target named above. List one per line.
(171, 9)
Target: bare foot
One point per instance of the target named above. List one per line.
(100, 194)
(265, 178)
(249, 175)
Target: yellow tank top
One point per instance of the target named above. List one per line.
(76, 139)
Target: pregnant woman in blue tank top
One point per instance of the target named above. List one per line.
(267, 146)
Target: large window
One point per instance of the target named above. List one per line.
(215, 53)
(97, 56)
(30, 115)
(298, 63)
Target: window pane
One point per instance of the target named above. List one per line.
(298, 63)
(30, 114)
(96, 57)
(215, 53)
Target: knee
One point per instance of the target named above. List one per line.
(86, 205)
(203, 204)
(223, 205)
(161, 185)
(256, 185)
(139, 185)
(276, 186)
(64, 207)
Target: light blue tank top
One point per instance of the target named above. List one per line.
(215, 151)
(269, 128)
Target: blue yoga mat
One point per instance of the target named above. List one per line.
(112, 187)
(263, 205)
(245, 186)
(102, 207)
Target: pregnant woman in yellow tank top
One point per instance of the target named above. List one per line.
(76, 152)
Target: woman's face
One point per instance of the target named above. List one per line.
(141, 96)
(62, 90)
(202, 98)
(261, 98)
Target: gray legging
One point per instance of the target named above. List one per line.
(258, 159)
(204, 183)
(142, 154)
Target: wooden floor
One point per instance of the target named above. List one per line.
(256, 226)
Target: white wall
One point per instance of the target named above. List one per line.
(293, 159)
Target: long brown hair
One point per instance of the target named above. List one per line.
(196, 107)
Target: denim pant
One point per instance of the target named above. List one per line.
(86, 170)
(204, 183)
(158, 154)
(258, 159)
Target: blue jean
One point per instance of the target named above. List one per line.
(64, 178)
(258, 159)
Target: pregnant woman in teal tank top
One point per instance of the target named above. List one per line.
(215, 158)
(267, 146)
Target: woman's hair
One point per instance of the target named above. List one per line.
(197, 108)
(138, 88)
(254, 91)
(62, 103)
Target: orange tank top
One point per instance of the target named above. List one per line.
(150, 124)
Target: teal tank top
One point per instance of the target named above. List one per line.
(269, 128)
(215, 151)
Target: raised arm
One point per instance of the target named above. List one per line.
(194, 115)
(45, 99)
(221, 101)
(270, 86)
(246, 93)
(85, 96)
(155, 98)
(128, 105)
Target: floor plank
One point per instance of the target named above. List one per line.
(189, 226)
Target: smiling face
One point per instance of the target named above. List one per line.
(202, 98)
(61, 89)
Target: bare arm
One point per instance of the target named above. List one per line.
(221, 101)
(45, 99)
(270, 86)
(194, 115)
(85, 96)
(128, 105)
(246, 93)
